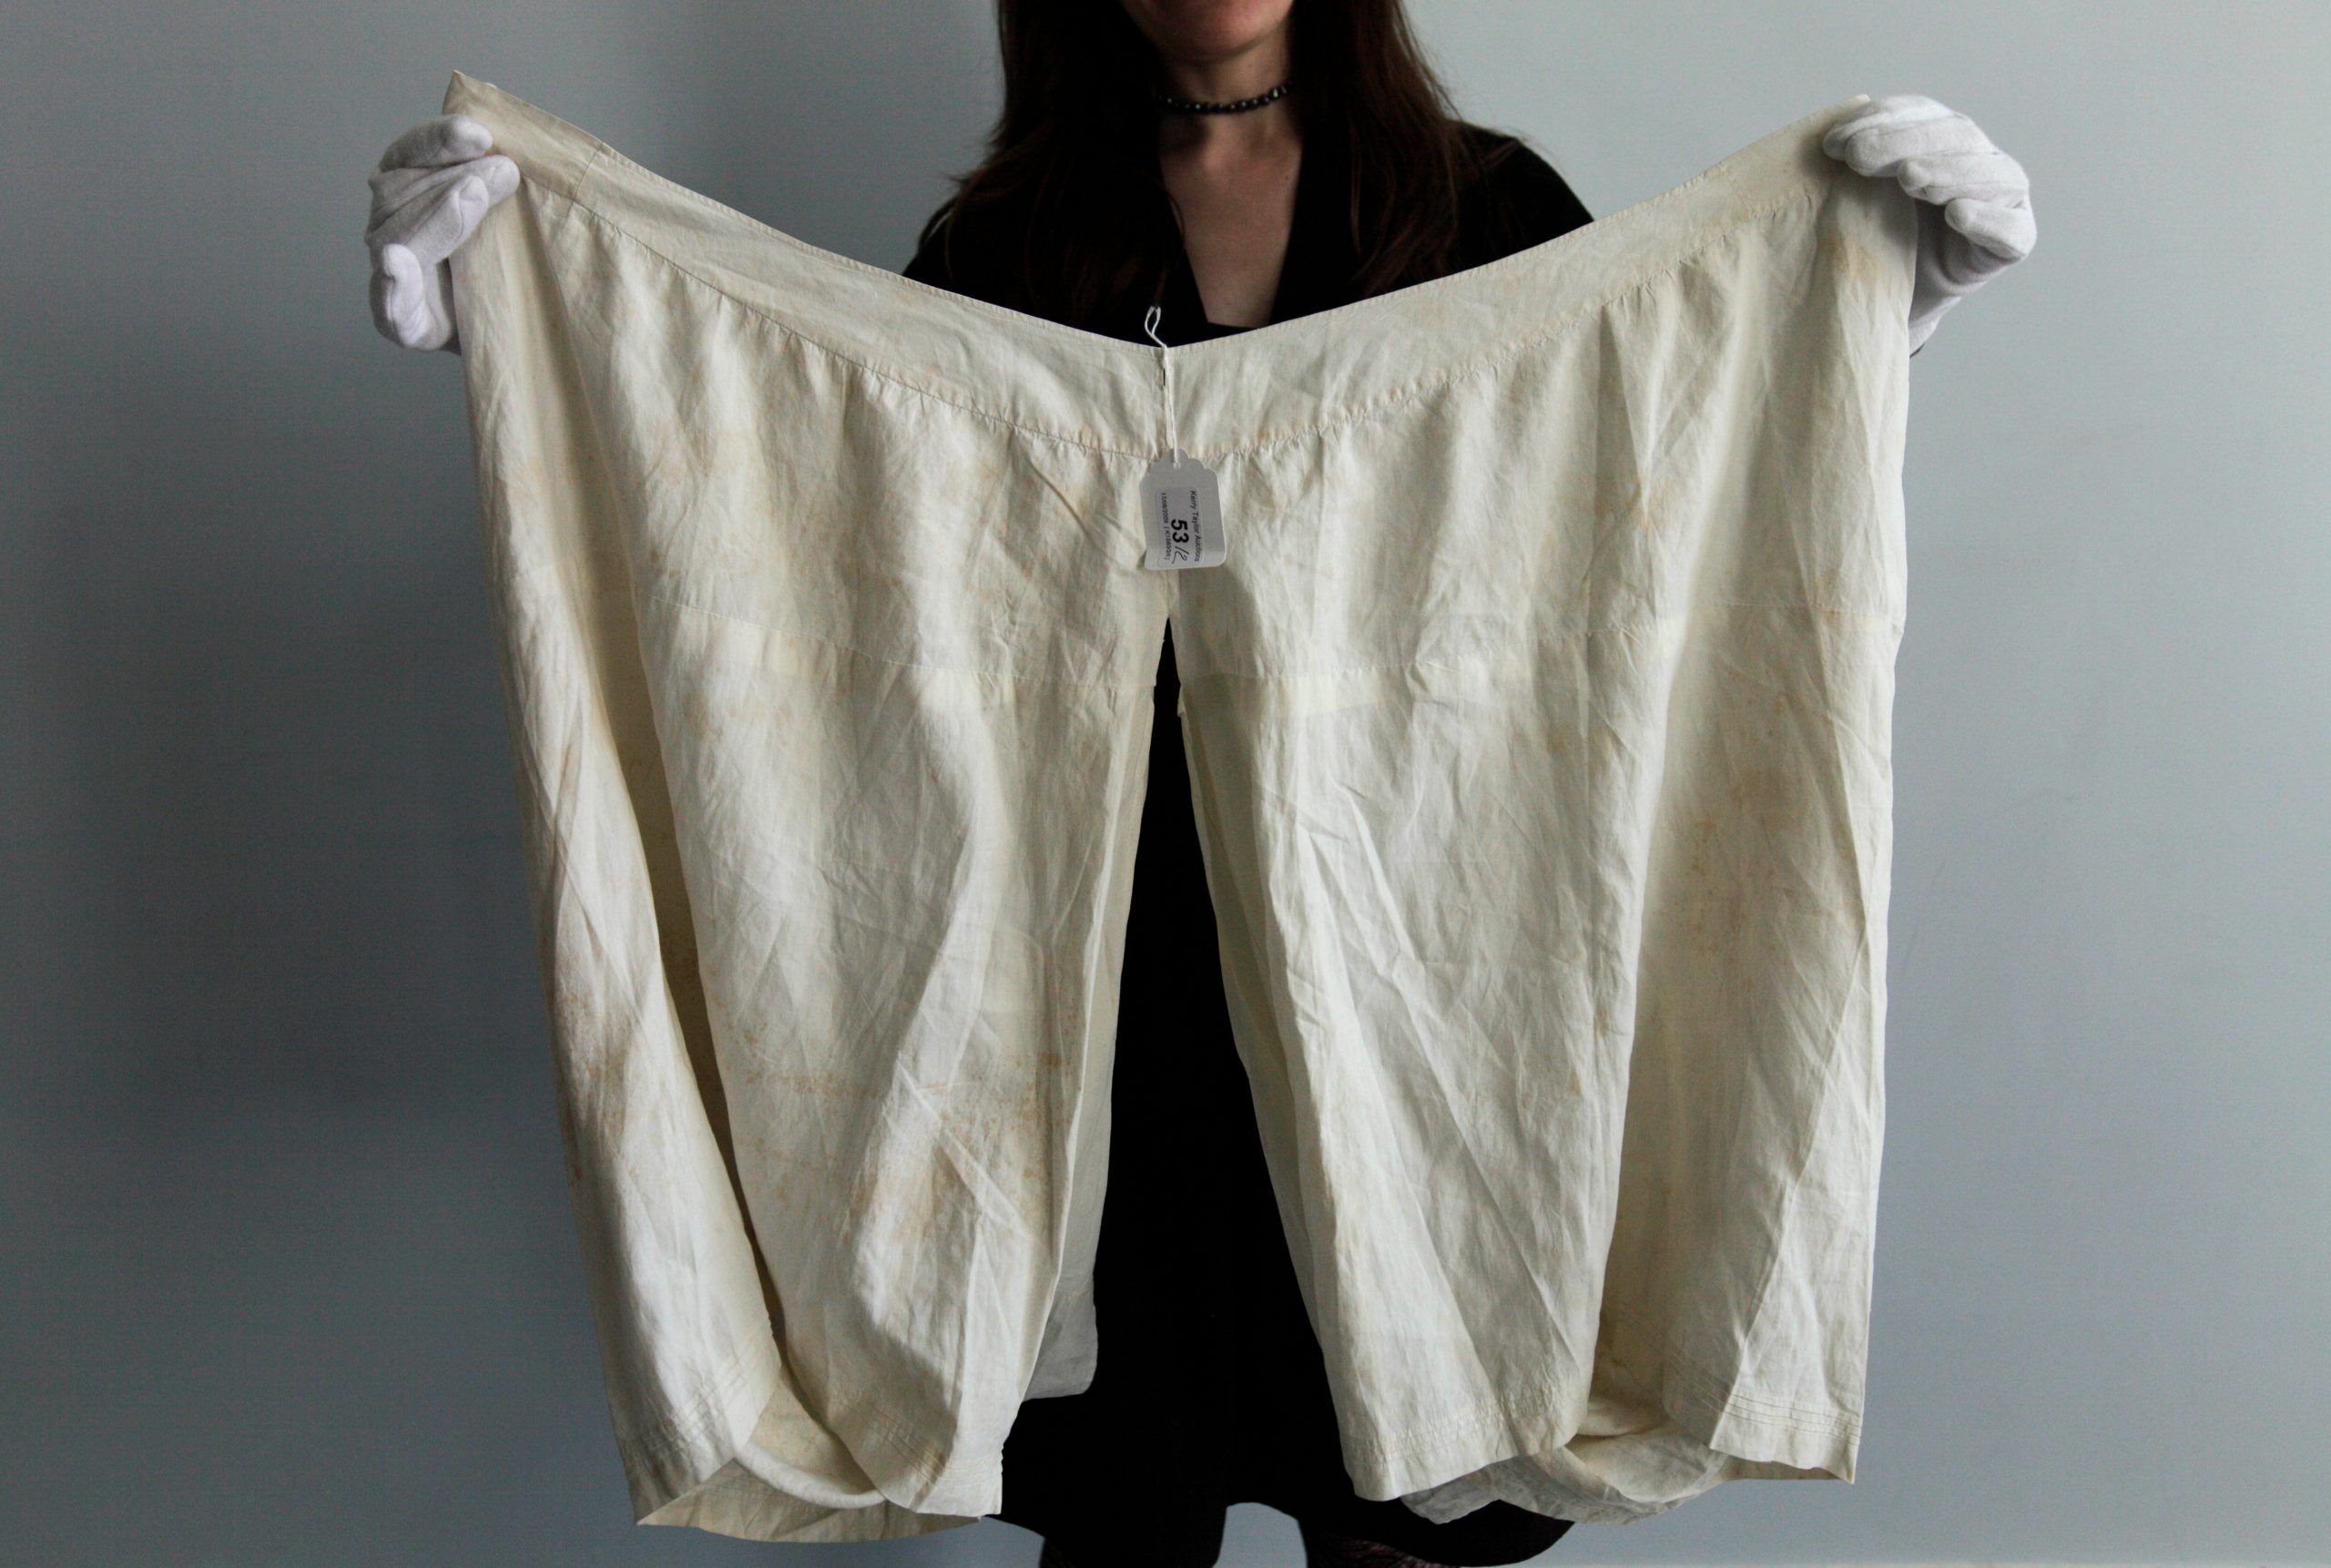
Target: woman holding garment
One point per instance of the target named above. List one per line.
(1231, 163)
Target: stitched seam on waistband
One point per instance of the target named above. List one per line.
(1357, 413)
(1376, 408)
(591, 166)
(895, 377)
(898, 663)
(826, 258)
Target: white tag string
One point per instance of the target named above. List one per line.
(1164, 376)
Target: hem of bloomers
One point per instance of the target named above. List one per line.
(738, 1506)
(665, 1452)
(674, 1474)
(914, 1456)
(1746, 1428)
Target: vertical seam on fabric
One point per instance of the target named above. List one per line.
(588, 172)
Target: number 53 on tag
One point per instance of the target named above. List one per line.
(1182, 502)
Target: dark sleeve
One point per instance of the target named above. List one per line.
(1520, 200)
(967, 266)
(929, 265)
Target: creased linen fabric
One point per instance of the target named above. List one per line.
(1539, 728)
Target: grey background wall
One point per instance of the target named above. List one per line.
(287, 1273)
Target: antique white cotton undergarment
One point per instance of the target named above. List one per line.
(1539, 727)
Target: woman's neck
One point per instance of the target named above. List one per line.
(1249, 73)
(1233, 177)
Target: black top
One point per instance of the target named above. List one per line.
(1521, 202)
(1211, 1388)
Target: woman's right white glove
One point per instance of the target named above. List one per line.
(430, 191)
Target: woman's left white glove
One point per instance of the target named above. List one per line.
(430, 190)
(1974, 201)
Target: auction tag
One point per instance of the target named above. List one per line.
(1182, 504)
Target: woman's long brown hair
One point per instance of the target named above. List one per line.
(1070, 179)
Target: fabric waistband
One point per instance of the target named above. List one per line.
(1270, 383)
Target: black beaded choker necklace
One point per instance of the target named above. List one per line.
(1232, 107)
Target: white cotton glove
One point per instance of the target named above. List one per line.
(1974, 201)
(428, 191)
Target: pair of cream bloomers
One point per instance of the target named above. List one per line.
(1539, 728)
